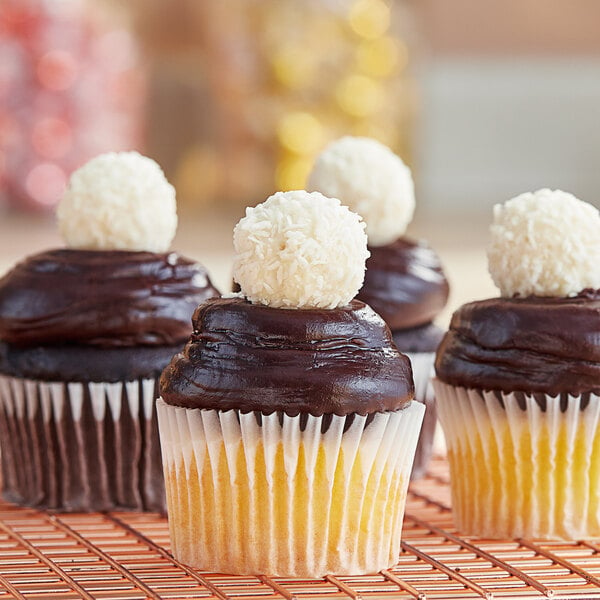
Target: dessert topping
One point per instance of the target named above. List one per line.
(545, 243)
(300, 250)
(369, 178)
(118, 201)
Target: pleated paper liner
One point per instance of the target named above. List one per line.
(80, 446)
(292, 496)
(423, 371)
(518, 470)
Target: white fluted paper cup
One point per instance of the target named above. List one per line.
(291, 496)
(423, 371)
(522, 466)
(80, 446)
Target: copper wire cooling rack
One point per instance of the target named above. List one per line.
(126, 555)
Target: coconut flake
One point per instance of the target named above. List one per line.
(300, 250)
(545, 243)
(118, 201)
(369, 178)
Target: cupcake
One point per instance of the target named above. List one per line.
(404, 281)
(287, 424)
(518, 378)
(84, 333)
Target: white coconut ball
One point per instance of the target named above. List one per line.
(545, 243)
(300, 250)
(118, 201)
(369, 178)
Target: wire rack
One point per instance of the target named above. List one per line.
(126, 555)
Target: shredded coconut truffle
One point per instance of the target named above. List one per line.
(118, 201)
(545, 243)
(369, 178)
(300, 250)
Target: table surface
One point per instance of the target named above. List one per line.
(61, 556)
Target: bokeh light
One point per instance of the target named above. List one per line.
(70, 88)
(300, 132)
(370, 18)
(359, 95)
(294, 67)
(381, 57)
(45, 184)
(57, 70)
(51, 138)
(292, 173)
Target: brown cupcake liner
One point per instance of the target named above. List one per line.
(80, 446)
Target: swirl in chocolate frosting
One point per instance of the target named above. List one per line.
(533, 344)
(256, 358)
(404, 283)
(101, 298)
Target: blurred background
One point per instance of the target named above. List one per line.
(484, 99)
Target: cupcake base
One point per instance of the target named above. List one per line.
(522, 465)
(80, 446)
(290, 496)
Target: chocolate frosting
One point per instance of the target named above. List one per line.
(423, 338)
(101, 298)
(405, 283)
(533, 344)
(77, 362)
(256, 358)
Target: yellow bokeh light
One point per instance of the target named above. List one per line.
(294, 67)
(369, 18)
(300, 132)
(359, 96)
(191, 188)
(381, 57)
(292, 173)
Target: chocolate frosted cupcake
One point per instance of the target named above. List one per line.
(84, 333)
(287, 426)
(404, 281)
(518, 378)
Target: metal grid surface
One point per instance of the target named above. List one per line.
(125, 555)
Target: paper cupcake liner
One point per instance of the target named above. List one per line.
(80, 446)
(423, 371)
(522, 472)
(291, 496)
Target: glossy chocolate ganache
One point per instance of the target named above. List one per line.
(532, 344)
(97, 315)
(406, 285)
(251, 357)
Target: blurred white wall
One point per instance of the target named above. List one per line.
(492, 128)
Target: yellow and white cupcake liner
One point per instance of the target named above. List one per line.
(292, 496)
(80, 446)
(522, 472)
